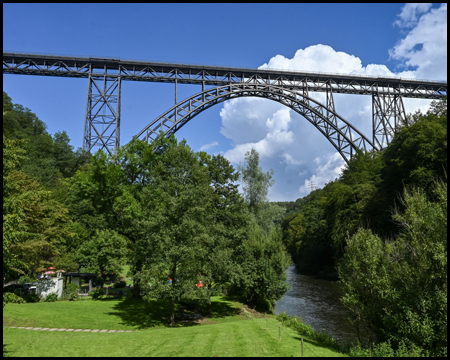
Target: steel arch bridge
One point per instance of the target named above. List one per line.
(291, 88)
(344, 137)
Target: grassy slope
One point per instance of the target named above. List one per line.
(229, 332)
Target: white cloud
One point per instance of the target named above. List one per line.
(289, 144)
(425, 46)
(328, 169)
(409, 15)
(208, 146)
(276, 136)
(316, 57)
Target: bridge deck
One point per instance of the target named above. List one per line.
(72, 66)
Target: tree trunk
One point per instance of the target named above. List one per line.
(136, 290)
(172, 310)
(136, 283)
(209, 300)
(172, 298)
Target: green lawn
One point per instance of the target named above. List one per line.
(229, 332)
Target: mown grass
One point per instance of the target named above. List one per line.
(230, 331)
(109, 313)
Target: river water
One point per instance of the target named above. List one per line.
(317, 302)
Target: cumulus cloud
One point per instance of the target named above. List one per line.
(410, 14)
(425, 46)
(277, 137)
(328, 169)
(289, 144)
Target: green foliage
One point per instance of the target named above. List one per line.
(105, 253)
(395, 286)
(15, 200)
(97, 292)
(175, 225)
(399, 288)
(36, 227)
(256, 183)
(33, 298)
(26, 279)
(71, 292)
(48, 158)
(52, 297)
(262, 256)
(120, 284)
(9, 297)
(385, 349)
(305, 235)
(263, 261)
(367, 190)
(298, 325)
(99, 281)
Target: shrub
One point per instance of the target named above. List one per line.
(385, 349)
(96, 292)
(71, 292)
(52, 297)
(12, 298)
(99, 281)
(120, 284)
(26, 279)
(297, 324)
(33, 298)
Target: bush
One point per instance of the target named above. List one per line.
(52, 297)
(99, 281)
(12, 298)
(96, 292)
(26, 279)
(71, 292)
(385, 349)
(120, 284)
(33, 298)
(297, 324)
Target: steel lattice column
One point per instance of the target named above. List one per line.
(388, 112)
(102, 123)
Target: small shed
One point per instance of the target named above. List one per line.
(46, 286)
(76, 278)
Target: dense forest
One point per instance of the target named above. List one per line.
(381, 228)
(177, 218)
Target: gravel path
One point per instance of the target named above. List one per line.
(74, 330)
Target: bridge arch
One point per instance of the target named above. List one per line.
(342, 135)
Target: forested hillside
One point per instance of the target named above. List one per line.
(382, 228)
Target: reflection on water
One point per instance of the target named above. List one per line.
(317, 302)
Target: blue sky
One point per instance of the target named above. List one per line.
(390, 39)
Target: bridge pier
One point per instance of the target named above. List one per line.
(102, 121)
(388, 112)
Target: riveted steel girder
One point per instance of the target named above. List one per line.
(102, 122)
(72, 66)
(344, 137)
(388, 112)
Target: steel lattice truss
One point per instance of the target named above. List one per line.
(344, 137)
(212, 75)
(102, 121)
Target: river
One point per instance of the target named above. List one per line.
(317, 302)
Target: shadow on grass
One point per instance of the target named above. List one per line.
(144, 314)
(6, 353)
(221, 309)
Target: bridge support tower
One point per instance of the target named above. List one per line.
(102, 121)
(388, 112)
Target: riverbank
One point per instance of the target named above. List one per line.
(316, 301)
(232, 330)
